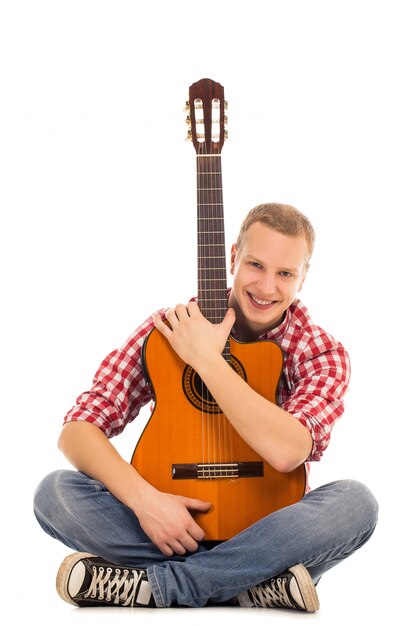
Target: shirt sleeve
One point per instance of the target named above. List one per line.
(119, 389)
(319, 383)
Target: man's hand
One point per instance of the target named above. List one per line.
(192, 336)
(165, 518)
(167, 521)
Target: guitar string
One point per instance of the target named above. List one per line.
(199, 230)
(223, 440)
(228, 438)
(206, 424)
(216, 428)
(217, 237)
(206, 184)
(213, 210)
(226, 426)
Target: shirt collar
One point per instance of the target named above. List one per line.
(279, 331)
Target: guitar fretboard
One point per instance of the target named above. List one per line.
(212, 281)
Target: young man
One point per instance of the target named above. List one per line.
(137, 546)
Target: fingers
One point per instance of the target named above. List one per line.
(175, 315)
(187, 541)
(179, 546)
(193, 504)
(182, 312)
(167, 520)
(229, 319)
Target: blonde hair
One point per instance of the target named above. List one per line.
(283, 218)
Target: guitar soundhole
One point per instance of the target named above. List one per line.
(198, 394)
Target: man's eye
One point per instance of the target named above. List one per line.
(286, 274)
(255, 264)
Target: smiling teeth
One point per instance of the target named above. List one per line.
(259, 301)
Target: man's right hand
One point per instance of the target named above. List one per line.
(167, 520)
(164, 517)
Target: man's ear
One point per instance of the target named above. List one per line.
(233, 259)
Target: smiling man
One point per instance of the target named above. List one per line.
(137, 546)
(269, 264)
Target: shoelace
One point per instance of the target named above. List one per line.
(114, 586)
(271, 594)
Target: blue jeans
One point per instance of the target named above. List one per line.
(325, 527)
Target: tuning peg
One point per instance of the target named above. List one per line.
(188, 120)
(226, 134)
(226, 119)
(189, 135)
(226, 104)
(187, 105)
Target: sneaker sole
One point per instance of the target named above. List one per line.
(307, 588)
(64, 572)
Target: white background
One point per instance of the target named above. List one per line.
(97, 200)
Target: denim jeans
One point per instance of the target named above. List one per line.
(325, 527)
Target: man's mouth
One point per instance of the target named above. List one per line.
(260, 301)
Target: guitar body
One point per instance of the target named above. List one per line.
(187, 430)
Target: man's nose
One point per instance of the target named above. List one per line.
(267, 285)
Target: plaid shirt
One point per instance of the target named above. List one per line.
(313, 382)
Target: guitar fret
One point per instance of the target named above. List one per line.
(211, 257)
(216, 309)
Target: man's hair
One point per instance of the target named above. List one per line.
(283, 218)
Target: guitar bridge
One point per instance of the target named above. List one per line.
(204, 471)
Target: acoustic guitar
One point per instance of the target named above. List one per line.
(188, 446)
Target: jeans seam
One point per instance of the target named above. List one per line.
(153, 581)
(322, 556)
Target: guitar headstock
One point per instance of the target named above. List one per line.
(206, 116)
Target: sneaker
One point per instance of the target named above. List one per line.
(293, 589)
(87, 580)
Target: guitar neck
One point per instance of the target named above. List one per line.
(212, 280)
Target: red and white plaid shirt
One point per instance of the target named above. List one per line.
(314, 380)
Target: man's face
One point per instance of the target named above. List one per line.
(269, 269)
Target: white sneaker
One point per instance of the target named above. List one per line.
(293, 589)
(87, 580)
